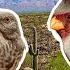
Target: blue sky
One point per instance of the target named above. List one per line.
(28, 5)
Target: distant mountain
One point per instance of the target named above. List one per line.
(28, 5)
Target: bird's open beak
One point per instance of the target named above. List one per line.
(56, 24)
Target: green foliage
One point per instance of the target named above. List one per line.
(58, 63)
(28, 60)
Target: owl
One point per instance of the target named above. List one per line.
(11, 43)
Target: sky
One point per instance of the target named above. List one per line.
(28, 5)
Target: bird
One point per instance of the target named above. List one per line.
(11, 44)
(60, 22)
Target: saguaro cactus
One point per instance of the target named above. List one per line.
(34, 51)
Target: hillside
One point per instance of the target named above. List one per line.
(49, 49)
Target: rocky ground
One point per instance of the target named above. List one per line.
(47, 45)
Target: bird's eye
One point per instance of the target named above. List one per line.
(68, 17)
(7, 19)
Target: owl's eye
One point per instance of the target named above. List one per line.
(7, 19)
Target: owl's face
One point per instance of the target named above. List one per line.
(8, 24)
(10, 28)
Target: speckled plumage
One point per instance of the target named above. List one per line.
(10, 42)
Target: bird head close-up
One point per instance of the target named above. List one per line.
(8, 25)
(13, 46)
(60, 22)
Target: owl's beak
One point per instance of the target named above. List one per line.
(56, 24)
